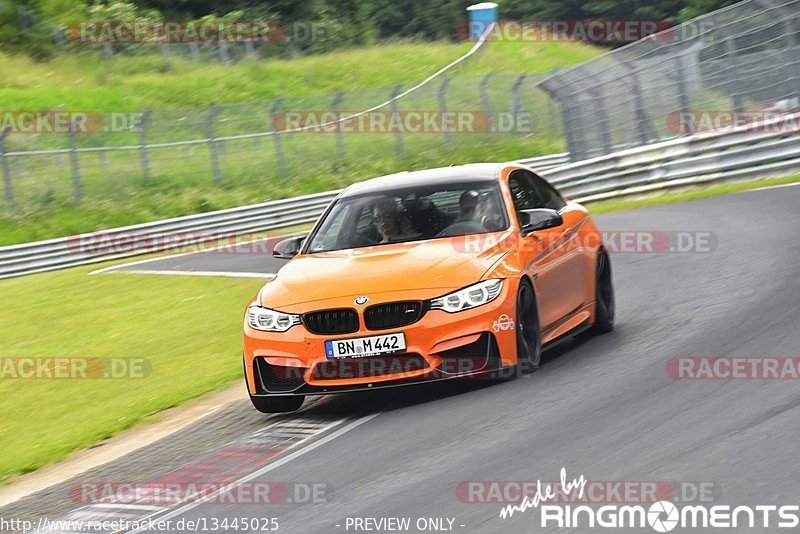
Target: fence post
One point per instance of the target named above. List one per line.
(571, 113)
(58, 37)
(223, 52)
(250, 50)
(516, 108)
(73, 158)
(793, 54)
(486, 104)
(108, 51)
(212, 145)
(643, 126)
(143, 156)
(24, 20)
(339, 136)
(398, 134)
(603, 124)
(731, 74)
(194, 50)
(9, 190)
(551, 109)
(276, 138)
(443, 109)
(683, 94)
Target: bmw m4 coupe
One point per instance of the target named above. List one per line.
(423, 276)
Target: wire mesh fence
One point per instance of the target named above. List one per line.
(237, 145)
(734, 66)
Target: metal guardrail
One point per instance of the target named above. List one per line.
(30, 258)
(743, 154)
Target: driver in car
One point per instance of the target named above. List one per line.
(391, 223)
(468, 206)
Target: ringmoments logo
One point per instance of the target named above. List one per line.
(660, 516)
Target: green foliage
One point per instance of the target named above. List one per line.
(344, 23)
(695, 8)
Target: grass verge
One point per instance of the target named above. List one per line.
(689, 194)
(187, 329)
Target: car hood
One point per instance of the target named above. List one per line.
(442, 264)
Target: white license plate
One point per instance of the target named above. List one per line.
(359, 347)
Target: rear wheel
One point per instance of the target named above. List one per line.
(277, 404)
(605, 306)
(529, 336)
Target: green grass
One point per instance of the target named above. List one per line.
(182, 181)
(690, 194)
(189, 329)
(143, 82)
(185, 186)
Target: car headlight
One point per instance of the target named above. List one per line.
(469, 297)
(270, 320)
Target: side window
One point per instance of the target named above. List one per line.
(528, 192)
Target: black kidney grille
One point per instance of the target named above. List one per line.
(341, 321)
(393, 314)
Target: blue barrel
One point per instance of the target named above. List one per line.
(481, 16)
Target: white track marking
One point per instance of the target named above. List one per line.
(178, 255)
(775, 186)
(269, 467)
(127, 506)
(230, 274)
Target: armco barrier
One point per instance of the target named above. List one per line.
(742, 154)
(730, 156)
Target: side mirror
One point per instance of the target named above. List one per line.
(538, 219)
(288, 248)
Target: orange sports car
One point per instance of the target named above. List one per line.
(423, 276)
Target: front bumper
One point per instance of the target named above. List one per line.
(439, 346)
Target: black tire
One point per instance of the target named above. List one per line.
(605, 305)
(277, 404)
(529, 335)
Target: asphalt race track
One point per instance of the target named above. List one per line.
(605, 408)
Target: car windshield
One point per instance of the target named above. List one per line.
(402, 215)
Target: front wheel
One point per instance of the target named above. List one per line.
(529, 336)
(277, 404)
(605, 306)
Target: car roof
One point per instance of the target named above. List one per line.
(473, 172)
